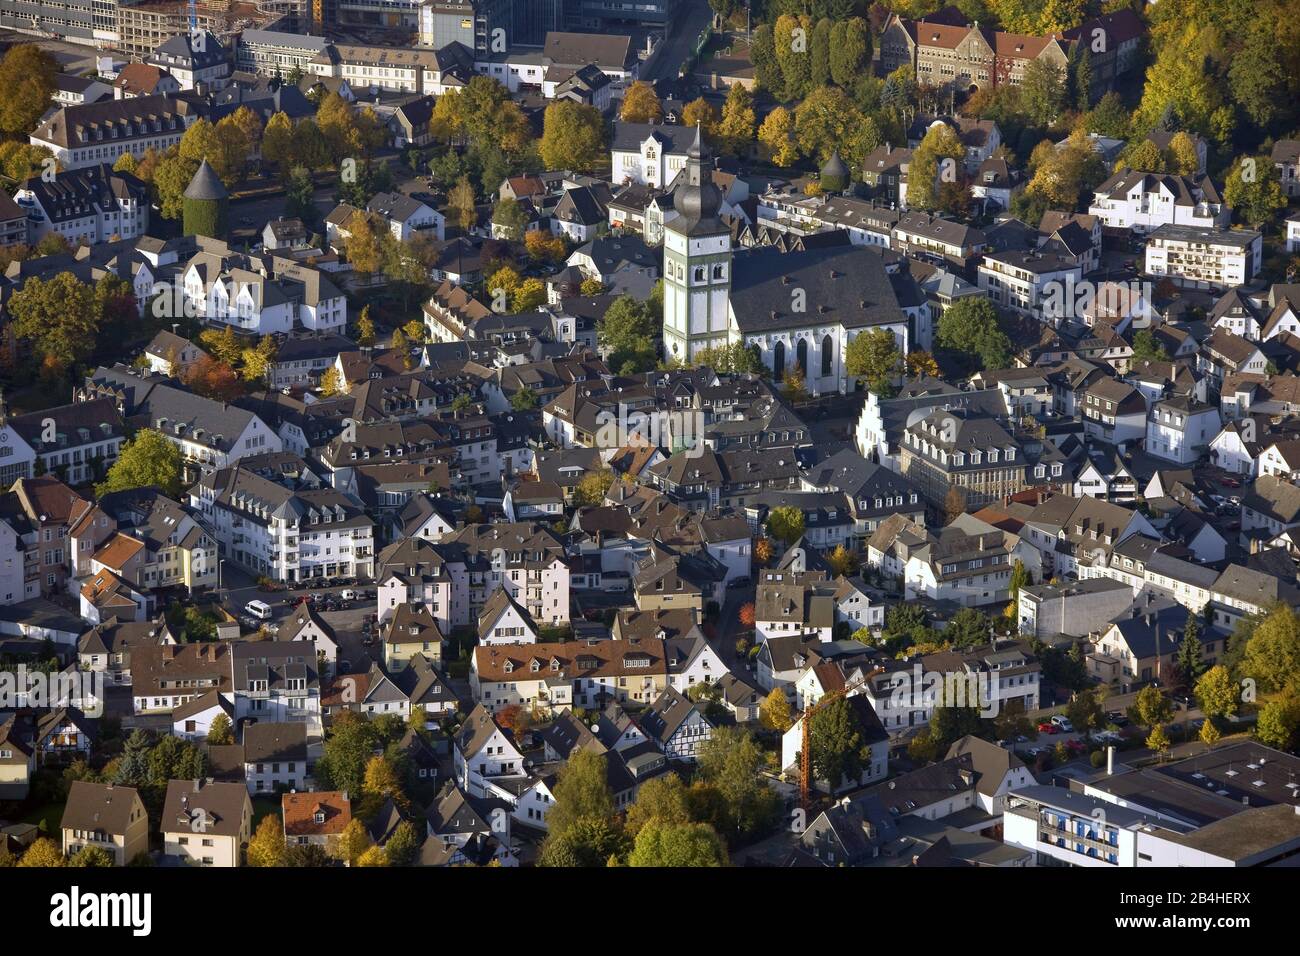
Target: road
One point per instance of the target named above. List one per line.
(239, 588)
(692, 17)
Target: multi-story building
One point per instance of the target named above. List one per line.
(276, 682)
(971, 452)
(284, 534)
(256, 296)
(553, 677)
(93, 204)
(197, 60)
(1180, 429)
(1143, 202)
(948, 51)
(78, 443)
(102, 132)
(1029, 282)
(89, 22)
(1204, 258)
(271, 51)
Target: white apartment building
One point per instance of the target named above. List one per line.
(92, 205)
(649, 155)
(1030, 283)
(102, 132)
(220, 285)
(1181, 430)
(1200, 258)
(286, 535)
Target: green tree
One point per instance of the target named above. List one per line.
(573, 136)
(1189, 660)
(593, 487)
(1278, 722)
(524, 400)
(839, 748)
(1216, 694)
(776, 137)
(365, 328)
(1253, 191)
(1272, 655)
(27, 75)
(581, 793)
(874, 355)
(730, 762)
(58, 316)
(92, 856)
(1153, 708)
(937, 159)
(970, 327)
(785, 523)
(1019, 578)
(147, 461)
(850, 51)
(662, 844)
(661, 800)
(589, 842)
(627, 332)
(349, 845)
(509, 217)
(1147, 348)
(1042, 92)
(461, 203)
(1158, 741)
(403, 845)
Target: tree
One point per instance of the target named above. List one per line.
(92, 856)
(842, 561)
(365, 328)
(573, 136)
(661, 800)
(850, 50)
(1062, 174)
(27, 75)
(970, 328)
(1158, 741)
(875, 356)
(509, 217)
(730, 761)
(403, 845)
(329, 382)
(544, 247)
(734, 358)
(1210, 734)
(1257, 77)
(1042, 92)
(1152, 707)
(1253, 191)
(661, 844)
(792, 385)
(589, 842)
(461, 203)
(1084, 711)
(57, 316)
(735, 131)
(1183, 159)
(528, 296)
(1147, 348)
(627, 332)
(937, 159)
(1188, 660)
(767, 68)
(277, 143)
(350, 744)
(640, 104)
(220, 733)
(791, 37)
(775, 713)
(524, 400)
(147, 461)
(213, 379)
(42, 853)
(581, 793)
(1272, 654)
(746, 614)
(349, 845)
(374, 856)
(382, 780)
(362, 244)
(257, 361)
(593, 487)
(266, 847)
(700, 112)
(922, 364)
(763, 551)
(776, 137)
(827, 120)
(839, 747)
(1216, 694)
(785, 523)
(1278, 722)
(1020, 578)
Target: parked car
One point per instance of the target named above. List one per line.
(1063, 723)
(741, 582)
(1117, 718)
(1076, 747)
(1047, 727)
(348, 594)
(1230, 483)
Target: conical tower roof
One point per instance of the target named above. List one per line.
(206, 184)
(835, 167)
(696, 196)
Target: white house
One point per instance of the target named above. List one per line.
(1181, 430)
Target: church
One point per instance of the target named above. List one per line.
(798, 308)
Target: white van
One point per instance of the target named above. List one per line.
(259, 609)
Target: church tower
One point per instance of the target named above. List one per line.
(697, 263)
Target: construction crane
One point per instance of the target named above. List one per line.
(805, 753)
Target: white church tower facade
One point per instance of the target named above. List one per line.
(697, 264)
